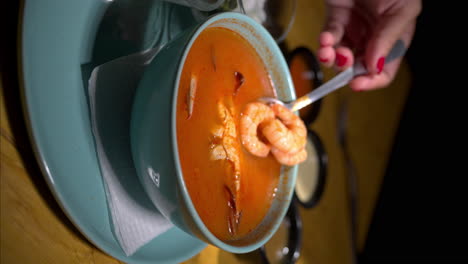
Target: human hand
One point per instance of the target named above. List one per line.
(367, 30)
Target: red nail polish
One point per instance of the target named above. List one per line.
(380, 64)
(323, 60)
(340, 60)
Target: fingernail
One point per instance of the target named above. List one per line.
(380, 65)
(340, 60)
(323, 60)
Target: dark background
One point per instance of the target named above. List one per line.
(420, 216)
(421, 212)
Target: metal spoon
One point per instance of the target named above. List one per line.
(336, 82)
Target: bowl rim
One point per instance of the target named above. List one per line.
(283, 67)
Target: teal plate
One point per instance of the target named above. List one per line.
(58, 38)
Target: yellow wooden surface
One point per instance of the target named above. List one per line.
(33, 229)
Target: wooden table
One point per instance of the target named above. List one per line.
(35, 230)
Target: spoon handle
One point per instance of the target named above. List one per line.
(343, 78)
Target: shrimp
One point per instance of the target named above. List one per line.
(252, 117)
(225, 147)
(191, 95)
(288, 134)
(235, 215)
(289, 159)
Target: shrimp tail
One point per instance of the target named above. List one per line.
(234, 215)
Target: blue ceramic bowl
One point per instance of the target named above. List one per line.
(154, 140)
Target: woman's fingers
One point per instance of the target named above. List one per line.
(341, 57)
(380, 73)
(386, 21)
(327, 39)
(337, 18)
(398, 23)
(375, 81)
(344, 58)
(327, 56)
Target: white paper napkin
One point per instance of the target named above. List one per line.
(135, 220)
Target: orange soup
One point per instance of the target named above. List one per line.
(231, 189)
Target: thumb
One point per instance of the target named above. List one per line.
(388, 30)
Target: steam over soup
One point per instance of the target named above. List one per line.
(230, 188)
